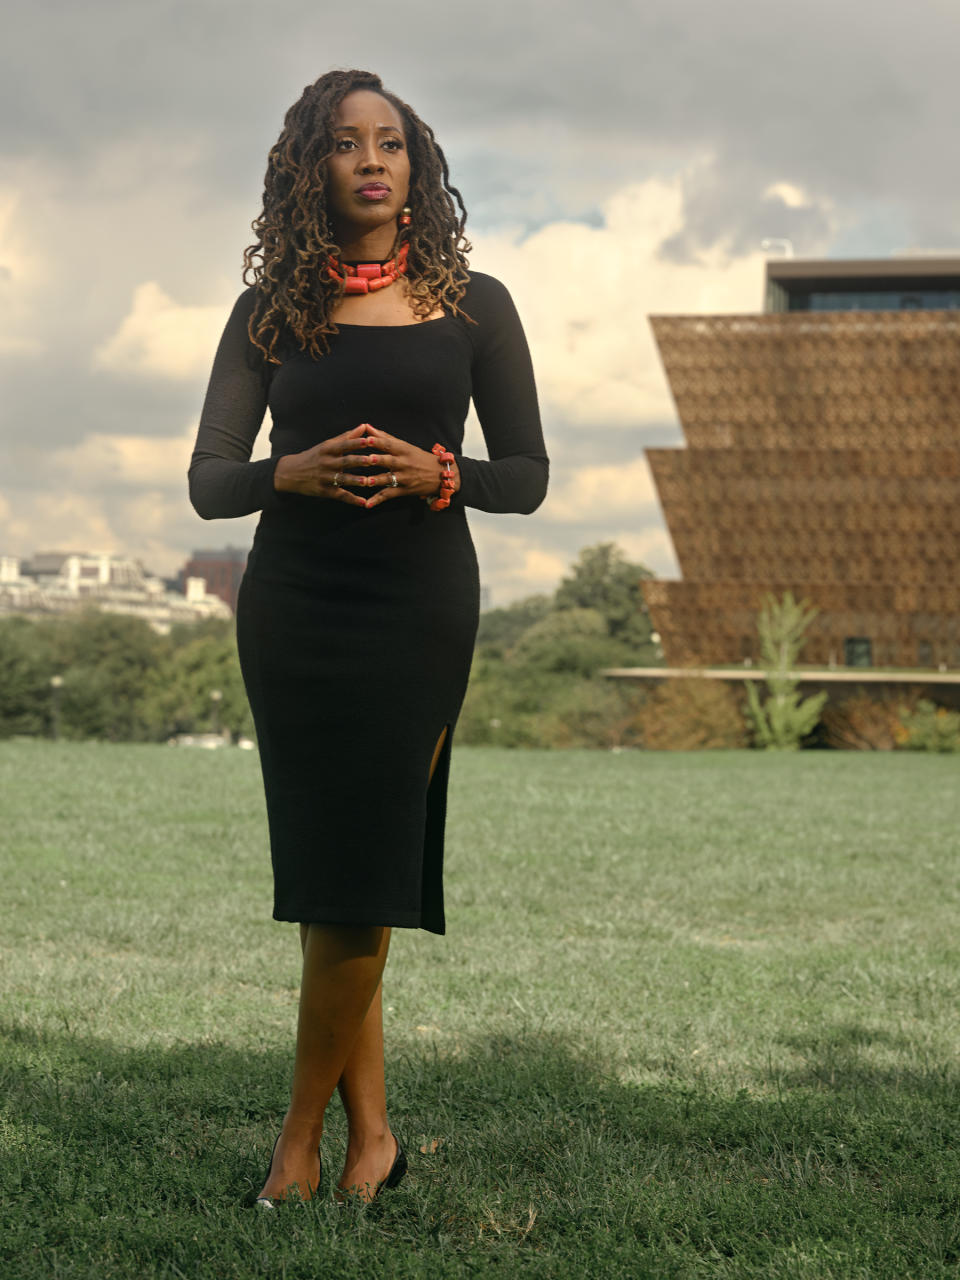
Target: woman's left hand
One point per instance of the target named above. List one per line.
(417, 471)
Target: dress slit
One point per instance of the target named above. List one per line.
(433, 836)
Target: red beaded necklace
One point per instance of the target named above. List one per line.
(367, 277)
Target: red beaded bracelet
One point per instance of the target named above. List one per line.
(446, 479)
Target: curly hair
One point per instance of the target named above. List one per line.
(294, 295)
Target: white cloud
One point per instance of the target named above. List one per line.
(585, 293)
(23, 270)
(112, 493)
(140, 462)
(789, 193)
(57, 520)
(161, 337)
(12, 345)
(154, 525)
(21, 263)
(514, 565)
(650, 546)
(590, 495)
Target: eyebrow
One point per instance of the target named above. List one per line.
(352, 128)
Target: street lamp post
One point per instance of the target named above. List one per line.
(56, 684)
(216, 697)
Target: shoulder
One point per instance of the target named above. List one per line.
(490, 309)
(235, 342)
(238, 321)
(487, 295)
(243, 307)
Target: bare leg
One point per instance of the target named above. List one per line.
(436, 753)
(371, 1146)
(342, 966)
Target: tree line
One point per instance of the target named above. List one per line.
(111, 677)
(535, 679)
(535, 682)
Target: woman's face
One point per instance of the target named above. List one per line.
(368, 172)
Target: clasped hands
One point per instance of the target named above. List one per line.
(334, 469)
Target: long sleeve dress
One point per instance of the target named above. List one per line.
(355, 627)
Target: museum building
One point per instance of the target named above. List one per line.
(822, 458)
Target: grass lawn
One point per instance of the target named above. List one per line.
(695, 1016)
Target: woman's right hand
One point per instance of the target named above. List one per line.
(321, 472)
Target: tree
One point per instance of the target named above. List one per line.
(180, 696)
(25, 671)
(533, 680)
(568, 640)
(784, 718)
(604, 579)
(500, 629)
(105, 660)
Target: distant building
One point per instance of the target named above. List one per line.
(822, 458)
(221, 570)
(60, 582)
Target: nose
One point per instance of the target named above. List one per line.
(369, 159)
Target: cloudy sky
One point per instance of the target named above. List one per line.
(618, 158)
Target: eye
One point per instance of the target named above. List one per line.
(344, 144)
(393, 144)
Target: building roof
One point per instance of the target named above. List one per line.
(834, 269)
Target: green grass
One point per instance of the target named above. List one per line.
(695, 1016)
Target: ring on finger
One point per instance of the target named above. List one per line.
(336, 481)
(394, 482)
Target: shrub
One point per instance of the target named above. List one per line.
(931, 728)
(523, 707)
(692, 714)
(592, 713)
(869, 721)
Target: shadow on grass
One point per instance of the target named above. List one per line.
(841, 1057)
(121, 1162)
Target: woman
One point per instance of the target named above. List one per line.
(366, 336)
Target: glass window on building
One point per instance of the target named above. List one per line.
(857, 651)
(924, 653)
(872, 300)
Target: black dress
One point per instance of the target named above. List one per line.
(355, 628)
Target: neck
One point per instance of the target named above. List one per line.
(374, 246)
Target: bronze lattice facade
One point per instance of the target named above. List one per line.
(823, 458)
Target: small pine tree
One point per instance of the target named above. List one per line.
(784, 717)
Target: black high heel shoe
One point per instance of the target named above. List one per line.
(397, 1170)
(393, 1179)
(266, 1202)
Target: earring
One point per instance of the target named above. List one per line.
(406, 216)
